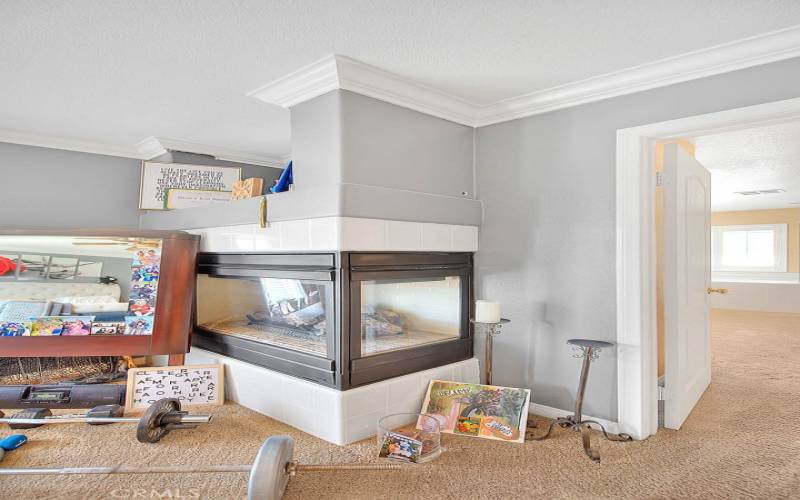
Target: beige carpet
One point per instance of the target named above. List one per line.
(741, 441)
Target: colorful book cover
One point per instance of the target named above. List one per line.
(15, 328)
(77, 325)
(108, 328)
(139, 325)
(47, 326)
(485, 411)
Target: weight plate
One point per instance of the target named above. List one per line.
(268, 477)
(30, 413)
(150, 428)
(105, 411)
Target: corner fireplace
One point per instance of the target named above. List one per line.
(342, 319)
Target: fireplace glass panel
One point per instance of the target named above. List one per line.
(290, 313)
(401, 314)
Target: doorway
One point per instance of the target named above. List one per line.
(637, 254)
(748, 243)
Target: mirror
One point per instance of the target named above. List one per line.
(78, 285)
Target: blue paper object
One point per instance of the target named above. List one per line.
(13, 442)
(284, 181)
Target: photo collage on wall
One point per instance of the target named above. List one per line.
(145, 273)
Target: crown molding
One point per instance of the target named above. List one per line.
(150, 148)
(65, 143)
(724, 58)
(153, 147)
(308, 82)
(370, 81)
(146, 149)
(341, 72)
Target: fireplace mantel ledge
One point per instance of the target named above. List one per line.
(344, 201)
(339, 234)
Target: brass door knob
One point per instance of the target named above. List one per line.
(717, 290)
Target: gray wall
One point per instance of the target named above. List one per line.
(44, 187)
(316, 141)
(547, 249)
(394, 147)
(342, 137)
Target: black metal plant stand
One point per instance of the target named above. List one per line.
(589, 350)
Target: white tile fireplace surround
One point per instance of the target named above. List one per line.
(339, 417)
(339, 233)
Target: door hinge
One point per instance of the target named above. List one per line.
(662, 393)
(659, 179)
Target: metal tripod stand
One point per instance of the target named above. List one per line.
(589, 350)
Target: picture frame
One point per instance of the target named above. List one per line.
(158, 177)
(187, 383)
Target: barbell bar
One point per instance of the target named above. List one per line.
(269, 473)
(161, 417)
(189, 419)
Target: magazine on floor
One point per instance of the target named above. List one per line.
(485, 411)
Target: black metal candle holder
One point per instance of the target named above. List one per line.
(589, 350)
(492, 330)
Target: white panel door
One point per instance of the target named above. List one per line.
(687, 275)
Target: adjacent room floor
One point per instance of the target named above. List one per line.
(740, 442)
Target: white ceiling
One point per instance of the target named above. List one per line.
(760, 158)
(120, 72)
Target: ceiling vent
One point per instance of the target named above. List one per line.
(761, 191)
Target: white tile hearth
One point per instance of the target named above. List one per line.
(339, 233)
(340, 417)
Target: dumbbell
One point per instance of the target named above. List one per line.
(94, 415)
(269, 474)
(161, 417)
(11, 443)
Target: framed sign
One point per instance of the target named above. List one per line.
(158, 178)
(185, 198)
(190, 384)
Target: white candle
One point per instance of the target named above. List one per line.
(487, 311)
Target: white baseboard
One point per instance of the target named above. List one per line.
(550, 412)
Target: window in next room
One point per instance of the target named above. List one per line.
(751, 248)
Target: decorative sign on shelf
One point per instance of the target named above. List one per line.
(186, 198)
(158, 178)
(191, 385)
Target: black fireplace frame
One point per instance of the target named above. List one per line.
(344, 367)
